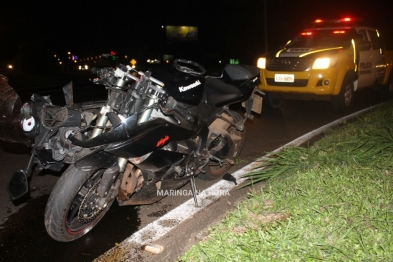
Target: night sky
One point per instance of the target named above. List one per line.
(236, 27)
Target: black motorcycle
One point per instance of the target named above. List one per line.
(148, 135)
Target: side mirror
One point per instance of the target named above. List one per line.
(18, 185)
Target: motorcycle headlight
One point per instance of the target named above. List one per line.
(30, 122)
(323, 63)
(261, 63)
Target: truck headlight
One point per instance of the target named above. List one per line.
(261, 63)
(324, 63)
(321, 63)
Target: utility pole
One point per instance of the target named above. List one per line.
(266, 47)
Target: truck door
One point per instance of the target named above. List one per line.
(365, 65)
(377, 52)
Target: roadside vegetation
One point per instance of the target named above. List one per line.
(330, 201)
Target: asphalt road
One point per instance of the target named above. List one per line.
(22, 232)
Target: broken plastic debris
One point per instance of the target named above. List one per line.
(154, 248)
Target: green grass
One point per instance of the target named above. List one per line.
(331, 201)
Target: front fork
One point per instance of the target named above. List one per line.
(109, 182)
(102, 121)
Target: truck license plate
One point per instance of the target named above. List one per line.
(287, 78)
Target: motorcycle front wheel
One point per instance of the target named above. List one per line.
(71, 211)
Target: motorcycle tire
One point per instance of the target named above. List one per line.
(213, 170)
(63, 213)
(274, 100)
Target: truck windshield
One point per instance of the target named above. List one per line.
(323, 39)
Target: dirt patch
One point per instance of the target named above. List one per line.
(169, 223)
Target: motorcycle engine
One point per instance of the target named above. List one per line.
(62, 147)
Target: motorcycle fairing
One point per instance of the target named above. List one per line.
(149, 136)
(96, 160)
(183, 87)
(159, 174)
(160, 159)
(119, 133)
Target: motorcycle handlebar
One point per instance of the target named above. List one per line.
(131, 76)
(119, 72)
(158, 82)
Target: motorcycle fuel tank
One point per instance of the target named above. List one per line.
(181, 86)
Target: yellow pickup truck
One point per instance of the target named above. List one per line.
(328, 61)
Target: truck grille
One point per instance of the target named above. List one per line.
(288, 64)
(297, 83)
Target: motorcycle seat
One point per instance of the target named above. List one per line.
(241, 72)
(217, 91)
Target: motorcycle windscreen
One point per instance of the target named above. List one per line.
(10, 114)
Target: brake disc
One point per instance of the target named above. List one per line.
(89, 208)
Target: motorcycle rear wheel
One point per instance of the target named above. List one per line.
(63, 213)
(215, 171)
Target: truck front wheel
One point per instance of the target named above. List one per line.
(342, 102)
(274, 100)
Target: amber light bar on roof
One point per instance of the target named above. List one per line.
(339, 32)
(306, 33)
